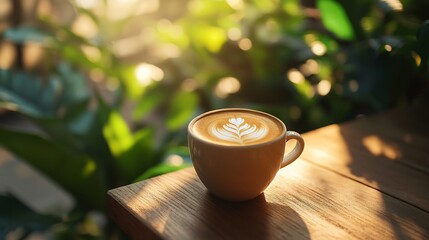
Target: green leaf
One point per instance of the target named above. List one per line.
(133, 153)
(117, 134)
(306, 92)
(24, 34)
(213, 38)
(167, 164)
(160, 169)
(423, 40)
(74, 83)
(75, 55)
(77, 173)
(181, 110)
(181, 151)
(15, 215)
(150, 100)
(41, 98)
(27, 93)
(335, 19)
(140, 156)
(208, 9)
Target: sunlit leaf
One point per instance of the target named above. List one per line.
(208, 9)
(159, 170)
(182, 108)
(149, 101)
(292, 7)
(306, 92)
(335, 19)
(140, 156)
(172, 33)
(134, 90)
(133, 153)
(265, 5)
(77, 56)
(117, 134)
(213, 38)
(77, 173)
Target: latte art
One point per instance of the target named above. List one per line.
(238, 131)
(237, 127)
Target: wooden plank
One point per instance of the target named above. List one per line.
(412, 120)
(405, 147)
(372, 160)
(392, 144)
(304, 201)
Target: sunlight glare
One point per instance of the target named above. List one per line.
(33, 55)
(318, 48)
(175, 160)
(395, 5)
(87, 4)
(245, 44)
(295, 76)
(234, 34)
(310, 67)
(92, 53)
(226, 86)
(417, 58)
(147, 73)
(378, 147)
(235, 4)
(7, 54)
(170, 51)
(323, 87)
(121, 9)
(84, 26)
(388, 47)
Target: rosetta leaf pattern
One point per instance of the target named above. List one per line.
(238, 131)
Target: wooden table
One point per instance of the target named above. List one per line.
(365, 179)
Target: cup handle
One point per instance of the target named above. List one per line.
(297, 150)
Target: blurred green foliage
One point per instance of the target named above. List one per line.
(110, 119)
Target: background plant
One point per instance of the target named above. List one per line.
(117, 82)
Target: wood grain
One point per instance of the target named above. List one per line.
(366, 179)
(376, 162)
(303, 202)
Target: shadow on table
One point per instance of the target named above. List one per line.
(374, 157)
(186, 210)
(253, 219)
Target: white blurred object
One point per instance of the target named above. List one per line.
(31, 187)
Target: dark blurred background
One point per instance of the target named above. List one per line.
(97, 94)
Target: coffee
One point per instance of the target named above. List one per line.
(237, 127)
(237, 152)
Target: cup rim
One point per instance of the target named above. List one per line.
(281, 136)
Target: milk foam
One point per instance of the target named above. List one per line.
(238, 131)
(237, 128)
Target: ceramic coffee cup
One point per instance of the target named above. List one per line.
(237, 152)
